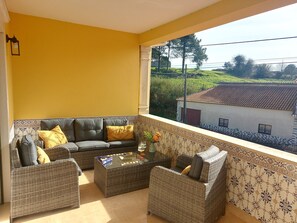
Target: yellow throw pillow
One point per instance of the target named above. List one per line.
(120, 132)
(186, 170)
(53, 137)
(42, 157)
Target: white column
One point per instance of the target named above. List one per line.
(4, 121)
(145, 80)
(4, 108)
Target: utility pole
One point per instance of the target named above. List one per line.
(185, 96)
(184, 41)
(168, 55)
(159, 59)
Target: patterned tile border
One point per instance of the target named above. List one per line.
(260, 158)
(264, 186)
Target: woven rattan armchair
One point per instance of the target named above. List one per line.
(44, 187)
(181, 199)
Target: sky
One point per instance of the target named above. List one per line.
(277, 23)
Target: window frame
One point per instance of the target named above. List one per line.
(223, 121)
(264, 129)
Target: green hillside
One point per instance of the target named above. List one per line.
(165, 90)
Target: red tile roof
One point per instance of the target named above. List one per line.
(265, 96)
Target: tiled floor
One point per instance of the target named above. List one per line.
(125, 208)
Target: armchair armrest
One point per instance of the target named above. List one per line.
(60, 171)
(57, 153)
(175, 182)
(44, 187)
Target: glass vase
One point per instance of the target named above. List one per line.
(152, 148)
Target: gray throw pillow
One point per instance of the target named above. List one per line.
(197, 163)
(28, 151)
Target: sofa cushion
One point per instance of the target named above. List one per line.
(71, 146)
(88, 129)
(113, 122)
(28, 151)
(120, 144)
(91, 145)
(198, 159)
(212, 167)
(115, 133)
(66, 125)
(52, 137)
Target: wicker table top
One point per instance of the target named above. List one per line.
(120, 173)
(130, 158)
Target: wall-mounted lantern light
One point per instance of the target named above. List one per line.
(14, 45)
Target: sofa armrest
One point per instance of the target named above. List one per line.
(44, 187)
(57, 153)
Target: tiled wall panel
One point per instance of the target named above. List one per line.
(261, 185)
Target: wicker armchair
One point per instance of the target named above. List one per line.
(181, 199)
(43, 187)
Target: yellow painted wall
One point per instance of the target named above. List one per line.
(9, 78)
(70, 70)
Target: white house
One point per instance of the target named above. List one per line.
(256, 108)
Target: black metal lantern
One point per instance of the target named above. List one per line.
(14, 45)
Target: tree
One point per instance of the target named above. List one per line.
(262, 71)
(168, 54)
(240, 66)
(158, 57)
(228, 66)
(291, 70)
(199, 54)
(189, 47)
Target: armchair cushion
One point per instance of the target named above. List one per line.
(28, 151)
(183, 161)
(212, 167)
(198, 159)
(42, 157)
(186, 170)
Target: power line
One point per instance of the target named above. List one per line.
(218, 66)
(255, 60)
(212, 65)
(250, 41)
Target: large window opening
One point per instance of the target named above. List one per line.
(246, 70)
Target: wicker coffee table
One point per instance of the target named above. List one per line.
(126, 171)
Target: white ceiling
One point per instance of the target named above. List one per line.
(134, 16)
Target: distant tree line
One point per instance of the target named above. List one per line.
(246, 68)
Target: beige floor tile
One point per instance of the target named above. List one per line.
(125, 208)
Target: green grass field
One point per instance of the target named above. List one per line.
(165, 90)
